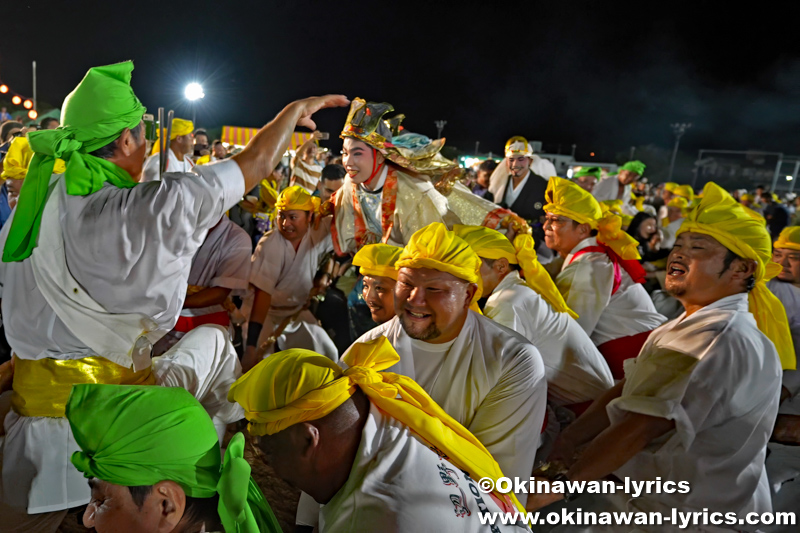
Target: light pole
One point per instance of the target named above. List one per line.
(440, 124)
(194, 92)
(678, 129)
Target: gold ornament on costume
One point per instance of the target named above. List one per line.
(365, 123)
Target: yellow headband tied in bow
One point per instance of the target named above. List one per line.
(298, 385)
(719, 216)
(565, 198)
(493, 245)
(296, 197)
(436, 247)
(378, 260)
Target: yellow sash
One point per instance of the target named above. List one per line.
(42, 387)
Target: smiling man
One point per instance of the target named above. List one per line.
(698, 404)
(377, 264)
(488, 377)
(370, 445)
(283, 268)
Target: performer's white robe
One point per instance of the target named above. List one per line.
(489, 378)
(110, 287)
(288, 276)
(608, 189)
(718, 377)
(576, 370)
(399, 484)
(586, 285)
(150, 170)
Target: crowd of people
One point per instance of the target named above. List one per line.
(390, 328)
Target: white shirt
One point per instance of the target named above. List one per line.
(670, 232)
(150, 169)
(718, 377)
(576, 370)
(286, 274)
(491, 380)
(399, 484)
(608, 189)
(512, 192)
(586, 284)
(223, 260)
(140, 268)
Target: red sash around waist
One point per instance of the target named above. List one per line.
(617, 351)
(188, 323)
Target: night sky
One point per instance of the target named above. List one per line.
(602, 78)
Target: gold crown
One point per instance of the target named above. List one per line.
(365, 123)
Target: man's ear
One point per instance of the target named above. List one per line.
(501, 266)
(472, 288)
(127, 143)
(743, 268)
(306, 439)
(170, 502)
(585, 230)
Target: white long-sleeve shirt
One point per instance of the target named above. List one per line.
(586, 284)
(131, 251)
(576, 370)
(718, 377)
(490, 379)
(174, 165)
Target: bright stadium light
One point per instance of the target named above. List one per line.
(194, 91)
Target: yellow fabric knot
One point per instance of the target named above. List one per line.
(296, 197)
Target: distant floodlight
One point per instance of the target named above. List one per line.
(789, 178)
(194, 91)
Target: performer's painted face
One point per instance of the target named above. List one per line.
(562, 234)
(790, 261)
(519, 165)
(359, 160)
(431, 305)
(378, 293)
(698, 272)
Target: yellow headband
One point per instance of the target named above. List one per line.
(436, 247)
(297, 385)
(296, 197)
(378, 260)
(15, 164)
(719, 216)
(179, 127)
(491, 244)
(670, 186)
(565, 198)
(678, 201)
(684, 191)
(789, 238)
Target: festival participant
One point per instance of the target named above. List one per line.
(487, 377)
(601, 276)
(522, 296)
(221, 265)
(370, 445)
(377, 264)
(698, 404)
(676, 209)
(153, 462)
(482, 180)
(670, 192)
(619, 187)
(776, 215)
(783, 462)
(388, 193)
(306, 170)
(587, 177)
(283, 269)
(181, 146)
(330, 181)
(96, 271)
(520, 182)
